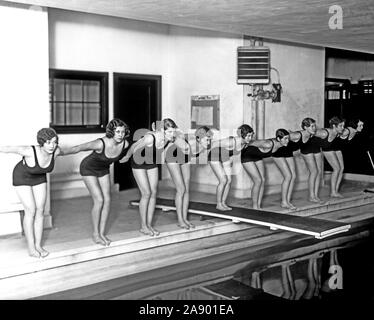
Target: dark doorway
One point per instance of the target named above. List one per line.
(137, 101)
(352, 100)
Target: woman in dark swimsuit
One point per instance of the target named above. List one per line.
(177, 159)
(252, 160)
(330, 145)
(285, 162)
(219, 157)
(30, 182)
(94, 170)
(354, 126)
(353, 147)
(145, 156)
(311, 151)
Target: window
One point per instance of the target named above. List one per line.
(78, 101)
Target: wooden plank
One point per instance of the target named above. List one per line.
(319, 228)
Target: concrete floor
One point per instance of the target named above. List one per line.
(72, 220)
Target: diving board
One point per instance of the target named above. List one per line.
(318, 228)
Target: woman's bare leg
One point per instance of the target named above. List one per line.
(141, 179)
(227, 167)
(105, 189)
(282, 165)
(312, 167)
(222, 180)
(40, 196)
(94, 188)
(334, 163)
(176, 175)
(26, 197)
(339, 156)
(261, 169)
(186, 172)
(292, 167)
(256, 178)
(153, 182)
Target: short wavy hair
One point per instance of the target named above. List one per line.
(307, 122)
(354, 123)
(113, 125)
(164, 124)
(243, 130)
(46, 134)
(202, 132)
(281, 133)
(334, 121)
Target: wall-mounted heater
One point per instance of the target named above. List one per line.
(253, 65)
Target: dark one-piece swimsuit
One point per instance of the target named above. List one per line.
(333, 145)
(97, 164)
(175, 154)
(23, 175)
(148, 157)
(253, 154)
(287, 151)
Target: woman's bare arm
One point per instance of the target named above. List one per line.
(24, 151)
(95, 145)
(141, 143)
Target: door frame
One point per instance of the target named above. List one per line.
(133, 76)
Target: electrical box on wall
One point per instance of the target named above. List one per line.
(253, 65)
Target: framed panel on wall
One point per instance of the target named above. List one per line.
(205, 111)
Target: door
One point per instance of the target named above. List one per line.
(137, 101)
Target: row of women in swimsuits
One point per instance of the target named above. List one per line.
(310, 142)
(29, 176)
(178, 155)
(30, 181)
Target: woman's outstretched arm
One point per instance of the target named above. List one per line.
(95, 145)
(24, 151)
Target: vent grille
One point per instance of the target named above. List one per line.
(253, 65)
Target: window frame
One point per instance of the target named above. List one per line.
(103, 78)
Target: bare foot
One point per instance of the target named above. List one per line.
(155, 232)
(226, 206)
(183, 225)
(221, 207)
(34, 254)
(336, 195)
(192, 226)
(146, 231)
(43, 252)
(106, 240)
(285, 205)
(316, 200)
(292, 207)
(97, 239)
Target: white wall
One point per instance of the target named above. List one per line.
(80, 41)
(23, 82)
(204, 63)
(190, 61)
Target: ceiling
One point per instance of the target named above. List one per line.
(300, 21)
